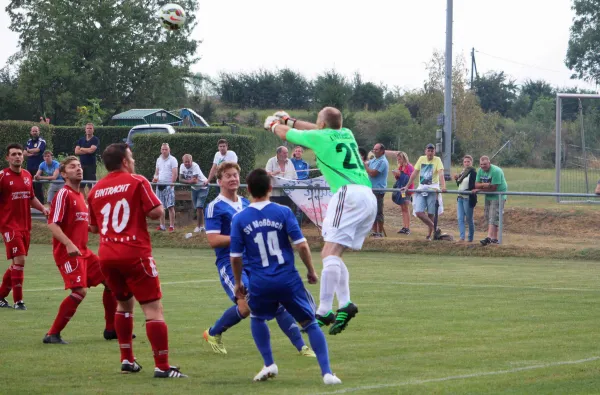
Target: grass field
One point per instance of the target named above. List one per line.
(450, 325)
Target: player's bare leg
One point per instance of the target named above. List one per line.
(158, 335)
(171, 218)
(6, 287)
(66, 311)
(17, 277)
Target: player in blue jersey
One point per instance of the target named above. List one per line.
(268, 279)
(218, 224)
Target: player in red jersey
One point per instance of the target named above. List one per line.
(79, 267)
(119, 205)
(16, 198)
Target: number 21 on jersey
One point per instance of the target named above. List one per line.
(272, 244)
(117, 225)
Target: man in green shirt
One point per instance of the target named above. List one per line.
(490, 178)
(351, 210)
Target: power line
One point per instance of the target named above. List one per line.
(519, 63)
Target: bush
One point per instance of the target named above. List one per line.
(18, 132)
(202, 147)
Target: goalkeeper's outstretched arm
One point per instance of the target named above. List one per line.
(281, 122)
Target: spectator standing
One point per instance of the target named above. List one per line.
(190, 173)
(34, 154)
(300, 164)
(166, 173)
(430, 170)
(378, 169)
(466, 203)
(281, 166)
(224, 154)
(86, 150)
(404, 167)
(49, 170)
(490, 178)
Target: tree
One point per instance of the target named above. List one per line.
(366, 96)
(90, 114)
(104, 49)
(495, 91)
(584, 41)
(331, 89)
(536, 90)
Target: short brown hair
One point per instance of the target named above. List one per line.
(65, 162)
(223, 141)
(48, 152)
(223, 167)
(113, 156)
(13, 146)
(468, 157)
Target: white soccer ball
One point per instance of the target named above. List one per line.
(172, 16)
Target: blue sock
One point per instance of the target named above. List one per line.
(319, 346)
(262, 338)
(229, 318)
(288, 325)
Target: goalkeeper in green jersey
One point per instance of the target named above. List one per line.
(351, 210)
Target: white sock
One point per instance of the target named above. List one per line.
(330, 277)
(343, 288)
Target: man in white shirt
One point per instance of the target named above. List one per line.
(190, 173)
(222, 155)
(166, 173)
(281, 166)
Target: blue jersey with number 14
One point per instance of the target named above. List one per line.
(263, 231)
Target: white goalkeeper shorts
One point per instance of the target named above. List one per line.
(350, 216)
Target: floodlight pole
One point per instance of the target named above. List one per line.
(447, 143)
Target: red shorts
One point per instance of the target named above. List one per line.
(16, 243)
(78, 272)
(134, 277)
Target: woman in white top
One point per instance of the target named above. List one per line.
(466, 203)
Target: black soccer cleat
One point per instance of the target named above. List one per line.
(172, 373)
(325, 320)
(4, 304)
(53, 339)
(130, 367)
(112, 335)
(20, 306)
(343, 316)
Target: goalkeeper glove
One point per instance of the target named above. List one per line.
(285, 119)
(271, 122)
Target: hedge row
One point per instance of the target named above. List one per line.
(66, 137)
(202, 147)
(18, 132)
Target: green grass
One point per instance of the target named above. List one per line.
(426, 325)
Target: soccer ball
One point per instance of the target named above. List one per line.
(172, 16)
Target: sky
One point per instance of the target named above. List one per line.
(388, 42)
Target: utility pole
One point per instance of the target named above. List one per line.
(447, 141)
(473, 66)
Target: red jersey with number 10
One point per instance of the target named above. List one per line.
(69, 211)
(118, 207)
(16, 192)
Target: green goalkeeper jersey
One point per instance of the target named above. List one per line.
(337, 155)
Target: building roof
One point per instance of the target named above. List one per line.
(141, 113)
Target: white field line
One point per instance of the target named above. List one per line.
(388, 283)
(459, 377)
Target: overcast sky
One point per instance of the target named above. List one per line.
(386, 41)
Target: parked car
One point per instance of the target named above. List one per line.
(156, 128)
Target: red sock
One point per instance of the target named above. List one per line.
(110, 307)
(65, 313)
(6, 283)
(17, 275)
(124, 328)
(158, 334)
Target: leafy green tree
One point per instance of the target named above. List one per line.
(366, 95)
(331, 89)
(92, 113)
(584, 41)
(114, 50)
(495, 91)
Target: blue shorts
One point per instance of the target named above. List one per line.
(424, 204)
(228, 281)
(265, 299)
(199, 197)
